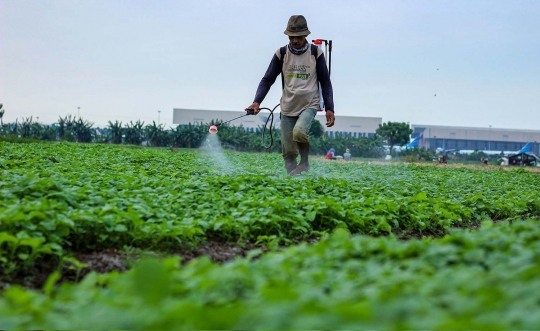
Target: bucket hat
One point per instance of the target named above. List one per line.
(297, 26)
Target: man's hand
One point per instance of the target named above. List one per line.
(255, 107)
(330, 119)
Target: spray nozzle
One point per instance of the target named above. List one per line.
(213, 129)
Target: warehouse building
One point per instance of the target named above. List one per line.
(471, 138)
(355, 126)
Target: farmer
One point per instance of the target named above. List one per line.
(302, 67)
(347, 155)
(484, 160)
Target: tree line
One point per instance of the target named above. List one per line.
(77, 129)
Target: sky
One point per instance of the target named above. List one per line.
(440, 62)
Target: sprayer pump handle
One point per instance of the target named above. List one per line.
(250, 111)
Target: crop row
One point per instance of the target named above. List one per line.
(61, 198)
(484, 279)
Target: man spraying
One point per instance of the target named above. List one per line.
(302, 66)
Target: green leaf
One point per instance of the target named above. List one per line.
(23, 256)
(6, 237)
(51, 281)
(421, 196)
(120, 228)
(32, 242)
(487, 224)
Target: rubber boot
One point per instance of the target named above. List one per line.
(290, 164)
(303, 166)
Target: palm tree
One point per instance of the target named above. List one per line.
(134, 132)
(83, 130)
(26, 129)
(156, 134)
(66, 128)
(36, 130)
(48, 133)
(116, 132)
(176, 136)
(189, 136)
(15, 129)
(61, 125)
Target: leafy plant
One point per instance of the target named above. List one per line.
(484, 279)
(101, 196)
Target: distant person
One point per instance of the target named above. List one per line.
(330, 155)
(302, 67)
(484, 160)
(347, 155)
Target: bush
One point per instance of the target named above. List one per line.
(417, 154)
(16, 139)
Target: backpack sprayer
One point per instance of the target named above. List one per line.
(328, 50)
(327, 43)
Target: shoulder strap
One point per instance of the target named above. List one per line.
(282, 51)
(314, 50)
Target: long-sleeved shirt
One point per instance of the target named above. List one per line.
(302, 73)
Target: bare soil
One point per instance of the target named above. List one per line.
(217, 251)
(106, 261)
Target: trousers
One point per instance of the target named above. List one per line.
(294, 130)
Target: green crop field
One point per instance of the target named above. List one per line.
(348, 245)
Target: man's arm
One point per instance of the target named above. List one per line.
(274, 69)
(326, 84)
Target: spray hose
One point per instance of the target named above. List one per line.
(271, 115)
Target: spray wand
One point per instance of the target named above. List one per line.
(249, 111)
(214, 128)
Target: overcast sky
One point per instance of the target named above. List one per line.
(126, 60)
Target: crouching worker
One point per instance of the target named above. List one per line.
(302, 67)
(331, 154)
